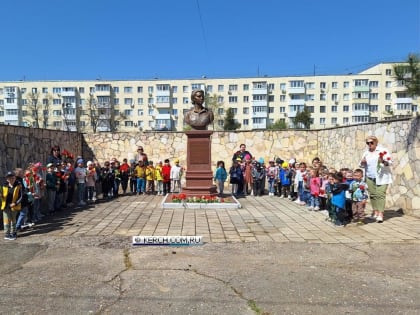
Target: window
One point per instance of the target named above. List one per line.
(345, 97)
(163, 87)
(271, 110)
(388, 108)
(245, 110)
(233, 99)
(322, 97)
(185, 100)
(220, 111)
(196, 86)
(322, 109)
(23, 90)
(271, 87)
(322, 121)
(388, 96)
(271, 98)
(334, 85)
(128, 101)
(283, 87)
(209, 88)
(56, 113)
(175, 89)
(322, 85)
(116, 89)
(220, 123)
(91, 90)
(259, 97)
(174, 100)
(283, 109)
(220, 99)
(220, 88)
(297, 83)
(388, 71)
(25, 102)
(388, 84)
(373, 108)
(246, 99)
(116, 101)
(44, 90)
(245, 122)
(358, 95)
(81, 90)
(185, 89)
(162, 99)
(140, 112)
(45, 101)
(311, 109)
(345, 120)
(346, 84)
(139, 89)
(128, 89)
(56, 101)
(150, 89)
(373, 96)
(150, 100)
(334, 109)
(310, 85)
(140, 101)
(373, 84)
(234, 110)
(334, 120)
(245, 87)
(56, 90)
(150, 112)
(334, 97)
(282, 98)
(233, 87)
(128, 112)
(346, 108)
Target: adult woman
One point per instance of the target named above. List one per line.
(198, 117)
(55, 156)
(376, 161)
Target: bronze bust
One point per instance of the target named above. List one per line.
(198, 117)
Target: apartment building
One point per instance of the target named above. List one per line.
(116, 105)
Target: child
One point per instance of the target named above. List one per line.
(338, 199)
(11, 197)
(51, 185)
(107, 181)
(176, 175)
(150, 178)
(124, 171)
(166, 174)
(285, 180)
(358, 189)
(246, 170)
(141, 178)
(348, 178)
(323, 190)
(90, 182)
(80, 172)
(220, 177)
(133, 178)
(258, 175)
(272, 177)
(236, 176)
(159, 178)
(314, 186)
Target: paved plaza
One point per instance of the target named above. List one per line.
(261, 219)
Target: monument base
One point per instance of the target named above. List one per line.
(199, 175)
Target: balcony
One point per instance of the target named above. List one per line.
(260, 90)
(296, 90)
(403, 100)
(292, 114)
(259, 114)
(163, 93)
(361, 88)
(360, 113)
(70, 92)
(297, 102)
(259, 126)
(259, 103)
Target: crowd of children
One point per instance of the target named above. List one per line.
(343, 194)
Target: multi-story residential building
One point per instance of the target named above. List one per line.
(99, 105)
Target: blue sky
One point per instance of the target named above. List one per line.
(169, 39)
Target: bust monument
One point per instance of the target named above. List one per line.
(198, 117)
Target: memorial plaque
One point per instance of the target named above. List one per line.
(199, 153)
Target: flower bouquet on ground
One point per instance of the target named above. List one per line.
(184, 198)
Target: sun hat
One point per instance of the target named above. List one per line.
(80, 161)
(50, 165)
(10, 174)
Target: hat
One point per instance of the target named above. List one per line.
(285, 164)
(176, 161)
(10, 174)
(292, 161)
(89, 163)
(160, 162)
(261, 160)
(50, 165)
(80, 161)
(239, 159)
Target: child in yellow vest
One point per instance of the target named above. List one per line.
(150, 178)
(159, 178)
(140, 172)
(11, 197)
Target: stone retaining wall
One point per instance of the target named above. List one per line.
(337, 147)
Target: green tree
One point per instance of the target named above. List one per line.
(34, 108)
(230, 123)
(303, 119)
(409, 74)
(212, 103)
(278, 125)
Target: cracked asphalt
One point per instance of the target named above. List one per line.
(272, 258)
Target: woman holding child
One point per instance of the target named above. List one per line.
(377, 163)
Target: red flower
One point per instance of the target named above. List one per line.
(388, 158)
(362, 187)
(182, 196)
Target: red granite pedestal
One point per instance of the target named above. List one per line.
(199, 174)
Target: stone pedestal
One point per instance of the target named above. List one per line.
(199, 174)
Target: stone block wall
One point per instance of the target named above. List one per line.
(337, 147)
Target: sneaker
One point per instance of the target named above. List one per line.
(374, 215)
(379, 219)
(297, 201)
(316, 209)
(13, 236)
(360, 222)
(302, 203)
(7, 236)
(281, 197)
(310, 208)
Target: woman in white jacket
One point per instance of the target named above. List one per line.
(377, 163)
